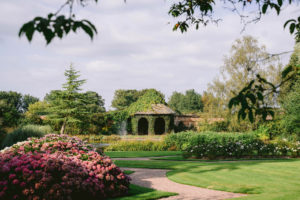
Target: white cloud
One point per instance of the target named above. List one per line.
(102, 66)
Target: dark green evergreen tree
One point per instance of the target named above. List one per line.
(67, 106)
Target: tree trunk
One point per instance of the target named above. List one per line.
(62, 130)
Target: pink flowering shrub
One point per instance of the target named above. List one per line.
(58, 167)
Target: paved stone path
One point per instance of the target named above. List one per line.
(157, 179)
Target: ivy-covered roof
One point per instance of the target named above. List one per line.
(147, 102)
(157, 109)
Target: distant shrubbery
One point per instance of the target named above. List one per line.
(226, 145)
(99, 138)
(147, 145)
(229, 124)
(25, 132)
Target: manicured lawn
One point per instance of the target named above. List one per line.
(264, 179)
(180, 158)
(143, 137)
(141, 193)
(136, 154)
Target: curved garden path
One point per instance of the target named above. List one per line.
(157, 179)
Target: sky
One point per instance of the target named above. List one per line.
(135, 47)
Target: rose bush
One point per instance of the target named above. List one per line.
(58, 167)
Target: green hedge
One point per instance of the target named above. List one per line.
(99, 138)
(147, 145)
(230, 145)
(22, 133)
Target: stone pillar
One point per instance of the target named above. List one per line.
(167, 124)
(151, 121)
(135, 123)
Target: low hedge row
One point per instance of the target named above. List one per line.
(99, 138)
(146, 145)
(227, 145)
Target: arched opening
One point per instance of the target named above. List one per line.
(143, 126)
(159, 126)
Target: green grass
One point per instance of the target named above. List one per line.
(136, 154)
(263, 179)
(141, 193)
(127, 172)
(143, 137)
(176, 158)
(180, 158)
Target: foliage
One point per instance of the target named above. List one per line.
(93, 119)
(247, 59)
(27, 100)
(271, 129)
(144, 103)
(124, 98)
(24, 132)
(99, 138)
(291, 105)
(230, 123)
(217, 126)
(36, 111)
(94, 102)
(252, 98)
(194, 12)
(294, 27)
(189, 102)
(67, 106)
(177, 140)
(55, 25)
(2, 135)
(74, 111)
(290, 72)
(11, 108)
(176, 101)
(225, 145)
(146, 145)
(211, 104)
(113, 120)
(58, 167)
(182, 127)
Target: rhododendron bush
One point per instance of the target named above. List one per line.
(58, 167)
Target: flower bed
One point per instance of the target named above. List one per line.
(231, 145)
(58, 167)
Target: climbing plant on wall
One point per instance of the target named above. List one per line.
(144, 103)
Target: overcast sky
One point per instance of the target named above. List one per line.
(134, 49)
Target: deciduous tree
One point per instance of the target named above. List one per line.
(246, 60)
(253, 97)
(124, 98)
(189, 102)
